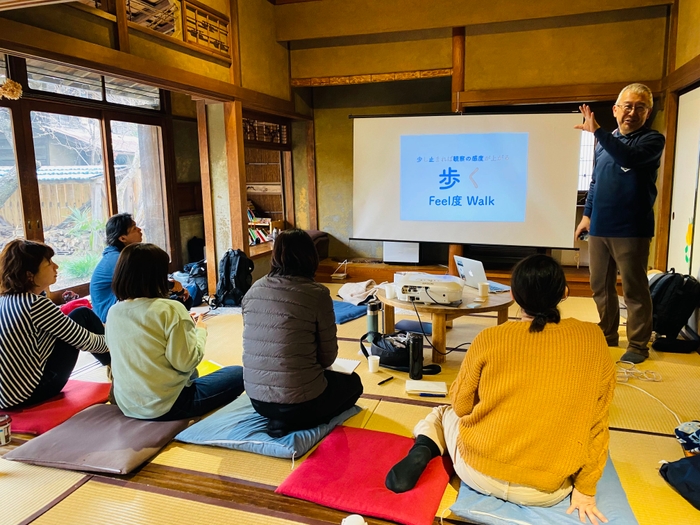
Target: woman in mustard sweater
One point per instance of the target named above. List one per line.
(529, 415)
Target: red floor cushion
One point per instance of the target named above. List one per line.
(347, 472)
(75, 396)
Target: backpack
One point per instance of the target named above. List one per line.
(198, 272)
(235, 278)
(674, 297)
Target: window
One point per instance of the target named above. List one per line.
(11, 217)
(74, 82)
(128, 93)
(585, 166)
(138, 171)
(74, 211)
(65, 80)
(3, 68)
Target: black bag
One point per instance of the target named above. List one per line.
(198, 273)
(674, 297)
(235, 278)
(684, 476)
(392, 353)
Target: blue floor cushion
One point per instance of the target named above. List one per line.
(611, 500)
(345, 312)
(238, 426)
(414, 326)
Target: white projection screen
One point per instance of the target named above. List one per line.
(474, 179)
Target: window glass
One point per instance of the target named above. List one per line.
(65, 80)
(3, 68)
(11, 218)
(130, 93)
(585, 166)
(73, 195)
(138, 170)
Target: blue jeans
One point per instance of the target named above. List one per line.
(206, 394)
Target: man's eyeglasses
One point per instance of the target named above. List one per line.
(628, 108)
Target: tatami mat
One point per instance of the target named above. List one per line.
(244, 466)
(100, 503)
(654, 502)
(26, 489)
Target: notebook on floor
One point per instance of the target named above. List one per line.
(472, 273)
(344, 366)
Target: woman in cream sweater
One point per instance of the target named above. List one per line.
(529, 415)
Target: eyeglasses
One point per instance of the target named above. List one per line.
(628, 108)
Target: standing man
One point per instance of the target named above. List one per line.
(121, 231)
(619, 216)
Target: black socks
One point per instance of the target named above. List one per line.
(405, 474)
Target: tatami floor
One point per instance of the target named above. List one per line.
(213, 485)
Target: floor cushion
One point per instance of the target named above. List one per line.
(98, 439)
(347, 472)
(75, 396)
(414, 326)
(238, 426)
(345, 312)
(611, 500)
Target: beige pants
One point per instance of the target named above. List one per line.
(442, 426)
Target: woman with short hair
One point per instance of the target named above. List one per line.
(529, 415)
(156, 345)
(289, 341)
(39, 345)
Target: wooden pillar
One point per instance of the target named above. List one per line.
(207, 205)
(122, 26)
(235, 158)
(235, 51)
(311, 169)
(458, 40)
(665, 180)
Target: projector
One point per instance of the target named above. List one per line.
(427, 288)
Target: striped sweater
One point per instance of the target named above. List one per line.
(533, 407)
(30, 324)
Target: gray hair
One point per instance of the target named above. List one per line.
(638, 89)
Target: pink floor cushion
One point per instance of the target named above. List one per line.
(347, 472)
(75, 396)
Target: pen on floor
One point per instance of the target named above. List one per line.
(425, 394)
(385, 380)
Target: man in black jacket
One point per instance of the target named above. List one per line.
(619, 216)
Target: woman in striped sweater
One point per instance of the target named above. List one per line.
(38, 344)
(529, 416)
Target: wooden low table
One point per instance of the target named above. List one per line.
(440, 315)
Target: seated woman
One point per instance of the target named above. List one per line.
(156, 345)
(39, 345)
(289, 340)
(529, 415)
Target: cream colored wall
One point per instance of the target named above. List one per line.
(609, 52)
(161, 51)
(301, 176)
(688, 42)
(264, 61)
(218, 170)
(334, 147)
(66, 20)
(366, 58)
(332, 18)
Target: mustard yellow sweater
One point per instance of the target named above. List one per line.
(533, 407)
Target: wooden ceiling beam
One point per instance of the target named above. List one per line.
(6, 5)
(32, 42)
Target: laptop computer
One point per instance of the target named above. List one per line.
(472, 273)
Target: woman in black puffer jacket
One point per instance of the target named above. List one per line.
(289, 340)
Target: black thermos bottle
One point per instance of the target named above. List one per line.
(415, 353)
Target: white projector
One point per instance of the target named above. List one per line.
(426, 288)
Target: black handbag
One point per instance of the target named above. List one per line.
(392, 353)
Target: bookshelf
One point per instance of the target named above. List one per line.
(269, 181)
